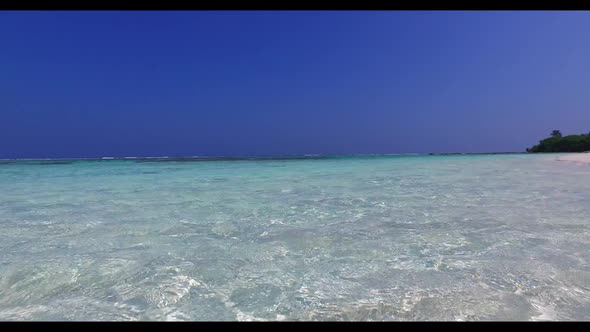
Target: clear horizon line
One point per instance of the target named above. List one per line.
(261, 155)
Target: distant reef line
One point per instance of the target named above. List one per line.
(56, 161)
(472, 153)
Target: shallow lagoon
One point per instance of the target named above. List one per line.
(467, 237)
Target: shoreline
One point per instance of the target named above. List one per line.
(578, 158)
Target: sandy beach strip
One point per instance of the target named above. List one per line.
(582, 158)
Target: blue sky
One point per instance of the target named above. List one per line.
(149, 83)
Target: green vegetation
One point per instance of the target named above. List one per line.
(559, 143)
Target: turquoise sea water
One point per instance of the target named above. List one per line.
(478, 237)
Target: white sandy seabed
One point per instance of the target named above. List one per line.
(583, 158)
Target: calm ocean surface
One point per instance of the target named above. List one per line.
(472, 237)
